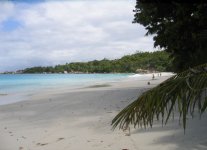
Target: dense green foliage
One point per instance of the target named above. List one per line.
(158, 61)
(179, 28)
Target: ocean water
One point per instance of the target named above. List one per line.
(14, 87)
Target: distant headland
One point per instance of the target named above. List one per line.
(140, 62)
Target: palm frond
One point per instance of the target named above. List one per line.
(182, 91)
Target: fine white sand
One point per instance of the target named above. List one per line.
(80, 119)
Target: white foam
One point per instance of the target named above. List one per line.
(151, 74)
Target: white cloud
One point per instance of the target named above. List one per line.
(6, 10)
(55, 32)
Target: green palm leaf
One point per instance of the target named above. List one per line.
(182, 91)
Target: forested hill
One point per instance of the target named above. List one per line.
(158, 61)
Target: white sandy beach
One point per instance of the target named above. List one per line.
(80, 119)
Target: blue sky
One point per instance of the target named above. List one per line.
(34, 33)
(10, 24)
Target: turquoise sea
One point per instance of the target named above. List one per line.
(13, 87)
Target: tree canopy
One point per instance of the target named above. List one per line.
(178, 28)
(158, 61)
(181, 30)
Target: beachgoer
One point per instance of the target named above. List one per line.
(153, 76)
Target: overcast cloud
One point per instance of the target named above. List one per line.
(56, 32)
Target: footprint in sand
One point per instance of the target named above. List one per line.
(23, 137)
(59, 139)
(41, 144)
(21, 148)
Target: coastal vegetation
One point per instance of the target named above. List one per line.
(179, 29)
(181, 93)
(154, 61)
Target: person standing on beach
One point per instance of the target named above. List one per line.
(153, 76)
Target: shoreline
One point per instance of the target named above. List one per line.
(24, 94)
(81, 118)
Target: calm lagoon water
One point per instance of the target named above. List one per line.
(13, 86)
